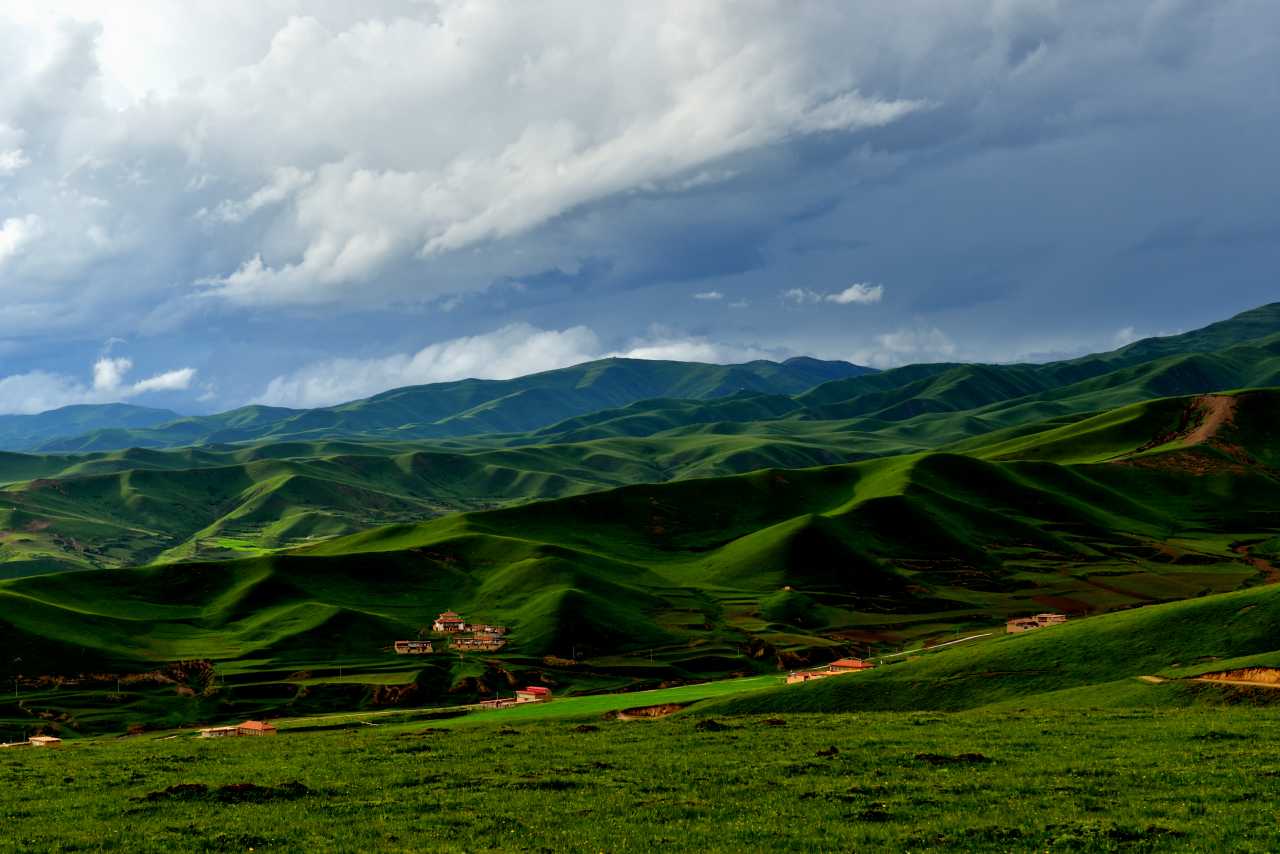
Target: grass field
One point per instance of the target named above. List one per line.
(1131, 780)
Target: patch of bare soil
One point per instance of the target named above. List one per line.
(1264, 566)
(641, 713)
(1201, 423)
(1259, 677)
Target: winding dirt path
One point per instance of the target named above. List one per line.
(1219, 411)
(1264, 566)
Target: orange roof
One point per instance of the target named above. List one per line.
(851, 663)
(535, 689)
(448, 614)
(256, 725)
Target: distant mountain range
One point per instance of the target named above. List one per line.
(298, 476)
(439, 410)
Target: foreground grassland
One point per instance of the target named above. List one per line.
(1132, 780)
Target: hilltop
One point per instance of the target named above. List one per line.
(465, 407)
(116, 508)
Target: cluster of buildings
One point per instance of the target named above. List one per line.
(532, 694)
(835, 668)
(246, 728)
(1039, 621)
(463, 637)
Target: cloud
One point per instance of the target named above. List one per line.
(708, 295)
(16, 233)
(108, 373)
(860, 294)
(40, 391)
(510, 351)
(12, 161)
(907, 346)
(286, 181)
(1124, 336)
(857, 293)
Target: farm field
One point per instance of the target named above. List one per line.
(1200, 778)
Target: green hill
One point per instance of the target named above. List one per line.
(471, 407)
(22, 432)
(704, 577)
(1094, 662)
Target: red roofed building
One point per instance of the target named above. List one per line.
(256, 728)
(849, 664)
(533, 694)
(449, 623)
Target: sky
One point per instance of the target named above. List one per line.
(304, 203)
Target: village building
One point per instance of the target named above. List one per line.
(496, 703)
(849, 665)
(413, 647)
(1039, 621)
(477, 644)
(256, 728)
(449, 623)
(533, 694)
(45, 741)
(220, 732)
(835, 668)
(489, 631)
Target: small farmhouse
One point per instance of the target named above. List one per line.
(533, 694)
(497, 703)
(449, 623)
(256, 728)
(413, 647)
(220, 732)
(1039, 621)
(487, 630)
(45, 741)
(477, 644)
(849, 665)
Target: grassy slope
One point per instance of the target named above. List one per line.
(110, 509)
(674, 581)
(118, 508)
(1029, 669)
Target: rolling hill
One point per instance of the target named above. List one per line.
(703, 577)
(24, 432)
(469, 407)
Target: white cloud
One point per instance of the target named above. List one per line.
(857, 293)
(511, 351)
(16, 233)
(905, 347)
(508, 352)
(175, 380)
(39, 391)
(108, 373)
(286, 181)
(860, 293)
(1124, 336)
(12, 161)
(708, 295)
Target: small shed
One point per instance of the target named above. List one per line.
(533, 694)
(219, 732)
(413, 647)
(256, 728)
(45, 741)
